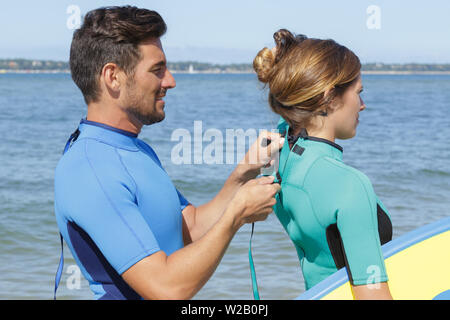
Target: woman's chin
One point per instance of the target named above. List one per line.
(346, 135)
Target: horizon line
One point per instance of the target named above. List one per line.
(238, 63)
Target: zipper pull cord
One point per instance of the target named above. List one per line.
(252, 267)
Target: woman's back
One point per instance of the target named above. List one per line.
(329, 209)
(330, 212)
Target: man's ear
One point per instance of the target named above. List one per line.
(112, 77)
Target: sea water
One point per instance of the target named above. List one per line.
(402, 145)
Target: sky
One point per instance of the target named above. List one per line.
(233, 31)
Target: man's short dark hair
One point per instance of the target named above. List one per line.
(110, 35)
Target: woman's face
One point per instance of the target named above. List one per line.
(346, 115)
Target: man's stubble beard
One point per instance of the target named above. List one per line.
(137, 109)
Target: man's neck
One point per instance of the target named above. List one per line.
(112, 117)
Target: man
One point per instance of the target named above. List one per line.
(131, 232)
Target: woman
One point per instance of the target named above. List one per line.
(329, 209)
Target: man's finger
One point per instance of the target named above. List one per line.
(273, 142)
(266, 180)
(265, 142)
(268, 137)
(277, 187)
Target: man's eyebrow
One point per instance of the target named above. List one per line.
(161, 63)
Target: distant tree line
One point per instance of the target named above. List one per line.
(405, 67)
(202, 66)
(25, 64)
(194, 66)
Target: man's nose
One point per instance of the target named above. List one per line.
(168, 80)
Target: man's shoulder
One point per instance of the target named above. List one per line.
(88, 157)
(147, 149)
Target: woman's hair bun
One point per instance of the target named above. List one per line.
(266, 58)
(263, 63)
(284, 40)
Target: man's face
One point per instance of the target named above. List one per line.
(143, 97)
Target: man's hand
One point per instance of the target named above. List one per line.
(261, 154)
(184, 272)
(198, 220)
(254, 201)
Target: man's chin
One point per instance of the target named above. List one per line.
(159, 113)
(160, 118)
(154, 118)
(148, 119)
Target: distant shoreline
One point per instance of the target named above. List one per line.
(18, 71)
(387, 72)
(28, 66)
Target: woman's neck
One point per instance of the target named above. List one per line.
(318, 129)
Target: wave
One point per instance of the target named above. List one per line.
(431, 172)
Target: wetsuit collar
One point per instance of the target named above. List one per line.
(304, 135)
(108, 134)
(105, 126)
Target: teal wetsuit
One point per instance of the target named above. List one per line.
(331, 212)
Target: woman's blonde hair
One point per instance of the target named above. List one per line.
(300, 70)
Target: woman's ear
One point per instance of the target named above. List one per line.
(333, 102)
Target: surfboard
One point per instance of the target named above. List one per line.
(417, 264)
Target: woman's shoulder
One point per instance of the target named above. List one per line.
(323, 172)
(339, 172)
(342, 184)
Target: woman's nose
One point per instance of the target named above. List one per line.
(363, 105)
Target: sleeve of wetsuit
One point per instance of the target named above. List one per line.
(358, 226)
(183, 202)
(105, 207)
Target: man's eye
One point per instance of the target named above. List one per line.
(159, 71)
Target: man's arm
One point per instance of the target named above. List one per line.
(198, 220)
(183, 273)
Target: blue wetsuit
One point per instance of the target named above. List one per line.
(115, 205)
